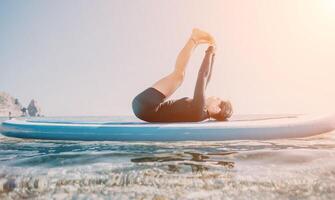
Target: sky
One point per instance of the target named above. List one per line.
(88, 58)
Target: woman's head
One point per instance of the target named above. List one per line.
(219, 109)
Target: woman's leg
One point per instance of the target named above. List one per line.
(171, 82)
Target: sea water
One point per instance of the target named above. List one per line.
(264, 169)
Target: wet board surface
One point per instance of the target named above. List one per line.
(242, 127)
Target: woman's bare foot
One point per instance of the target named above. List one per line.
(201, 37)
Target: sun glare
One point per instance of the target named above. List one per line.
(328, 7)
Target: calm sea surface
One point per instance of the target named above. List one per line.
(269, 169)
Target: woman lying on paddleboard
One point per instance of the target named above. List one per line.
(151, 105)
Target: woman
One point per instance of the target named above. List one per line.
(150, 105)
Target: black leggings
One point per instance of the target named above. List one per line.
(146, 104)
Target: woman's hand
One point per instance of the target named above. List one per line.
(211, 50)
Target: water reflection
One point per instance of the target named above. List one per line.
(198, 162)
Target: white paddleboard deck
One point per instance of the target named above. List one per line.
(242, 127)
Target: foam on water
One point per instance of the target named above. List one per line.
(272, 169)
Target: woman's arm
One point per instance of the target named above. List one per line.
(211, 70)
(203, 77)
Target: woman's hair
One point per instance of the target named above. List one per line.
(226, 111)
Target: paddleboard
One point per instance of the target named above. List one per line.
(237, 128)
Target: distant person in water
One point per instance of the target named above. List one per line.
(151, 105)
